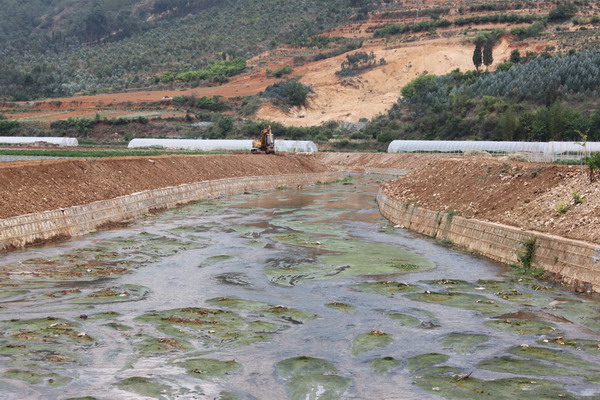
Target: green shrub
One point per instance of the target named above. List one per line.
(562, 207)
(8, 127)
(287, 93)
(422, 83)
(562, 12)
(279, 72)
(578, 198)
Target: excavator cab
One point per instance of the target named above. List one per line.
(266, 143)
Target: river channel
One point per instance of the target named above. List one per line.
(298, 293)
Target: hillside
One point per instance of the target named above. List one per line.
(352, 71)
(60, 47)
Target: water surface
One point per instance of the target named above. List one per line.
(297, 293)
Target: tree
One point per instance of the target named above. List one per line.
(96, 24)
(477, 57)
(562, 12)
(488, 57)
(515, 56)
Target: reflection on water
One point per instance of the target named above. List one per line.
(297, 293)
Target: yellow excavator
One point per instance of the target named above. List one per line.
(266, 143)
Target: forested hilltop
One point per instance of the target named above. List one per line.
(53, 48)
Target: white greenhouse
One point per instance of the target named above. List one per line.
(286, 146)
(534, 151)
(58, 141)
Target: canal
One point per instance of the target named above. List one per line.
(298, 293)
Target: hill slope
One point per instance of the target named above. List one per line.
(58, 47)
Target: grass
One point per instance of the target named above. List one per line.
(562, 207)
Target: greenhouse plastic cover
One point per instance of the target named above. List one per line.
(533, 150)
(289, 146)
(60, 141)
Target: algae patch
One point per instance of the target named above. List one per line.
(453, 387)
(347, 308)
(463, 343)
(144, 387)
(426, 360)
(465, 301)
(386, 288)
(209, 369)
(522, 326)
(370, 341)
(35, 378)
(213, 327)
(278, 311)
(385, 365)
(311, 378)
(344, 257)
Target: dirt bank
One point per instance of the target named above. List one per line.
(34, 186)
(524, 195)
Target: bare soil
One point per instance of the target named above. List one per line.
(35, 186)
(525, 195)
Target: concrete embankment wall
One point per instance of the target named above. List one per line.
(571, 261)
(17, 232)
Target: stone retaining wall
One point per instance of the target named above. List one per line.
(17, 232)
(573, 262)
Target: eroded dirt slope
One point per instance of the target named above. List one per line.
(34, 186)
(374, 91)
(526, 195)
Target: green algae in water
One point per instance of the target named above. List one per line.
(49, 330)
(347, 308)
(9, 294)
(564, 358)
(522, 326)
(209, 369)
(345, 257)
(426, 360)
(33, 378)
(586, 313)
(114, 294)
(118, 327)
(234, 278)
(463, 343)
(370, 341)
(387, 288)
(588, 346)
(144, 387)
(513, 290)
(152, 346)
(282, 312)
(405, 319)
(313, 224)
(385, 365)
(227, 396)
(465, 301)
(516, 366)
(453, 387)
(217, 327)
(441, 370)
(215, 259)
(104, 315)
(311, 378)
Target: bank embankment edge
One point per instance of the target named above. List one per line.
(21, 231)
(572, 262)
